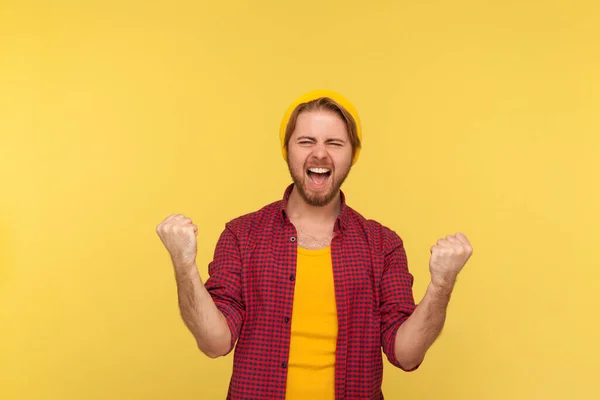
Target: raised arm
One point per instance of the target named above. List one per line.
(198, 310)
(416, 335)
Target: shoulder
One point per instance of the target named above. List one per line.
(245, 225)
(380, 236)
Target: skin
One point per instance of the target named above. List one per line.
(198, 310)
(319, 140)
(416, 335)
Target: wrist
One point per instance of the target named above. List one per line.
(440, 287)
(184, 269)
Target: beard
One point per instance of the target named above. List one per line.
(317, 199)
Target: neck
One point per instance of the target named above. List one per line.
(298, 209)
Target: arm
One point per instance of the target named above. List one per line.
(212, 312)
(200, 314)
(416, 335)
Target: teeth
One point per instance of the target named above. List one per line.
(319, 170)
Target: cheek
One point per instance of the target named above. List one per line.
(343, 161)
(296, 161)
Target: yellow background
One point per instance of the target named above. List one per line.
(480, 117)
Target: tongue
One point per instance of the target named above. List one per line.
(318, 178)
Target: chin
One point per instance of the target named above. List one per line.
(317, 199)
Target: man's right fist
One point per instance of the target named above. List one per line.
(178, 234)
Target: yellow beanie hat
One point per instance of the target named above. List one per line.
(315, 94)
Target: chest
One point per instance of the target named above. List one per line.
(314, 240)
(269, 264)
(313, 236)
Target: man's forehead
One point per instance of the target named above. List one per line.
(322, 114)
(328, 123)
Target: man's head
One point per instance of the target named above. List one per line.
(321, 141)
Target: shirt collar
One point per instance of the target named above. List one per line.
(341, 221)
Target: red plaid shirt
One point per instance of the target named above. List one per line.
(252, 283)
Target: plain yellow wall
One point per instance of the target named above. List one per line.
(480, 117)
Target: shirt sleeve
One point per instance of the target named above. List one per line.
(397, 300)
(224, 283)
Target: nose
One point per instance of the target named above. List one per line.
(320, 151)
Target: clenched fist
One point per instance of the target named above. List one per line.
(448, 257)
(178, 234)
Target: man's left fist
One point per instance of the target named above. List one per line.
(448, 257)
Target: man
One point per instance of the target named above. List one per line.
(309, 289)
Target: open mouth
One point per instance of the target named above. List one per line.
(318, 176)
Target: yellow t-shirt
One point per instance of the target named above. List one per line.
(311, 363)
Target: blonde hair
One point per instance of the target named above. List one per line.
(324, 104)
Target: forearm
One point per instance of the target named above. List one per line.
(416, 335)
(200, 314)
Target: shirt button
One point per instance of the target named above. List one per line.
(293, 239)
(286, 319)
(292, 277)
(283, 364)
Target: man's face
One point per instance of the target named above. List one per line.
(319, 156)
